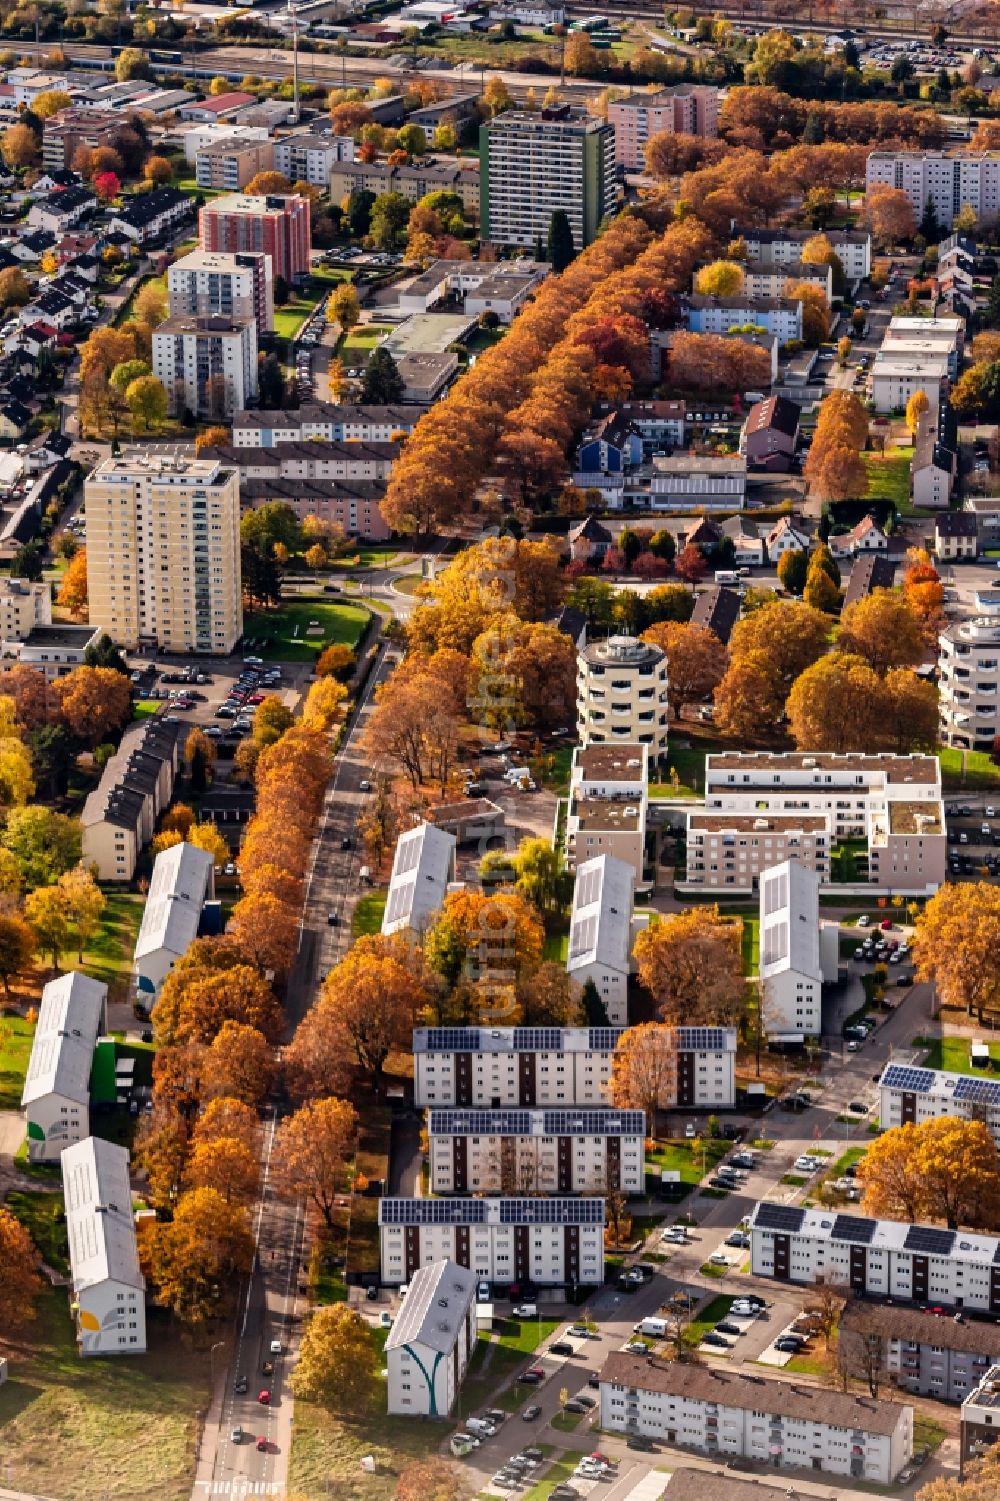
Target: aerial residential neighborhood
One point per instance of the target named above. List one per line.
(499, 752)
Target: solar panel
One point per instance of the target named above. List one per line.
(977, 1091)
(605, 1039)
(552, 1211)
(929, 1241)
(408, 852)
(453, 1039)
(778, 1217)
(706, 1039)
(852, 1227)
(400, 901)
(774, 942)
(597, 1122)
(432, 1211)
(775, 893)
(480, 1123)
(913, 1080)
(588, 887)
(538, 1039)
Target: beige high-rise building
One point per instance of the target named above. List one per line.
(163, 552)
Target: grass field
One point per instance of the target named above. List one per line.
(970, 769)
(679, 1157)
(357, 347)
(367, 916)
(15, 1049)
(109, 957)
(706, 1320)
(750, 944)
(327, 1451)
(889, 477)
(42, 1216)
(284, 629)
(952, 1055)
(410, 583)
(122, 1430)
(289, 318)
(560, 1471)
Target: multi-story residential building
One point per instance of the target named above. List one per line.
(660, 424)
(56, 1095)
(910, 1096)
(311, 158)
(482, 285)
(137, 783)
(207, 365)
(148, 217)
(532, 165)
(334, 424)
(64, 133)
(765, 807)
(771, 433)
(687, 109)
(209, 284)
(980, 1418)
(549, 1066)
(571, 1150)
(353, 505)
(277, 225)
(196, 137)
(556, 1241)
(608, 803)
(917, 354)
(412, 180)
(956, 533)
(621, 694)
(163, 553)
(876, 1258)
(108, 1288)
(314, 459)
(432, 1340)
(228, 165)
(600, 934)
(689, 482)
(735, 1415)
(969, 683)
(947, 183)
(779, 316)
(941, 1358)
(763, 279)
(23, 605)
(791, 970)
(783, 247)
(423, 865)
(183, 880)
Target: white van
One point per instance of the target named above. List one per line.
(656, 1328)
(726, 576)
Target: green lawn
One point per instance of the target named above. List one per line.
(145, 708)
(410, 583)
(16, 1036)
(284, 629)
(848, 1159)
(565, 1422)
(559, 1472)
(952, 1055)
(970, 769)
(678, 1157)
(928, 1433)
(109, 957)
(355, 349)
(367, 916)
(889, 477)
(556, 947)
(688, 761)
(750, 944)
(707, 1319)
(42, 1215)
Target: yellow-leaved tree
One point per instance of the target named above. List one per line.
(338, 1363)
(942, 1169)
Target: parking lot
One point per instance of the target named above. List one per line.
(220, 696)
(973, 832)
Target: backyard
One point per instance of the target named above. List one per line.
(290, 316)
(952, 1055)
(889, 478)
(691, 1159)
(355, 348)
(15, 1049)
(109, 957)
(282, 634)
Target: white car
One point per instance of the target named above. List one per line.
(863, 920)
(806, 1164)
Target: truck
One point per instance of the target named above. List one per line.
(655, 1328)
(726, 576)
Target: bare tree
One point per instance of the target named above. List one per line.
(861, 1350)
(825, 1307)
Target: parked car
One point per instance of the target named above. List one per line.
(531, 1412)
(717, 1341)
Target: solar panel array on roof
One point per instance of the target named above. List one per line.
(774, 943)
(704, 1040)
(552, 1211)
(778, 1217)
(453, 1039)
(977, 1091)
(400, 902)
(570, 1122)
(408, 852)
(775, 892)
(480, 1123)
(853, 1227)
(605, 1039)
(538, 1039)
(432, 1211)
(928, 1241)
(913, 1080)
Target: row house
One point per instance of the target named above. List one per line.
(783, 247)
(551, 1242)
(137, 783)
(312, 459)
(331, 422)
(779, 316)
(571, 1150)
(183, 880)
(108, 1290)
(351, 504)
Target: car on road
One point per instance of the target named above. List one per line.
(639, 1441)
(853, 1045)
(241, 1384)
(637, 1347)
(347, 843)
(262, 1442)
(236, 1436)
(531, 1412)
(526, 1311)
(717, 1341)
(332, 919)
(864, 920)
(563, 1492)
(264, 1398)
(578, 1331)
(676, 1235)
(718, 1259)
(561, 1347)
(859, 1107)
(690, 1130)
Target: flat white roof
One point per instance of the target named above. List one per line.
(934, 1242)
(601, 925)
(421, 869)
(435, 1307)
(789, 921)
(69, 1021)
(99, 1220)
(177, 891)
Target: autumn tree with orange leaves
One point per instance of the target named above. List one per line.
(311, 1153)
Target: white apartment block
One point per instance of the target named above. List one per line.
(323, 420)
(311, 158)
(556, 1241)
(791, 972)
(781, 247)
(969, 683)
(949, 182)
(600, 934)
(183, 880)
(608, 804)
(550, 1066)
(207, 365)
(876, 1258)
(23, 605)
(533, 165)
(731, 1414)
(56, 1096)
(980, 1424)
(163, 553)
(779, 316)
(572, 1150)
(685, 109)
(431, 1342)
(221, 284)
(910, 1096)
(621, 694)
(108, 1289)
(768, 282)
(917, 354)
(762, 808)
(197, 137)
(422, 868)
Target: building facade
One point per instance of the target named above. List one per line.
(876, 1258)
(422, 867)
(600, 933)
(783, 247)
(208, 366)
(938, 1358)
(227, 166)
(320, 419)
(533, 165)
(621, 694)
(183, 880)
(555, 1241)
(56, 1095)
(311, 158)
(575, 1149)
(791, 978)
(108, 1289)
(137, 783)
(432, 1341)
(686, 109)
(947, 182)
(730, 1414)
(910, 1096)
(279, 226)
(778, 316)
(207, 284)
(163, 553)
(968, 691)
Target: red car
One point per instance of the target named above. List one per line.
(262, 1443)
(886, 924)
(264, 1398)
